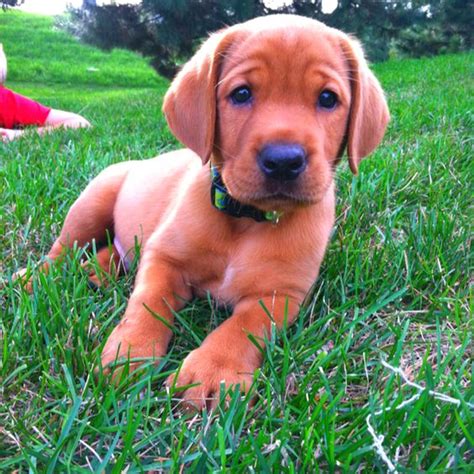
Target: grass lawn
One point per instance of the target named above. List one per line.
(393, 290)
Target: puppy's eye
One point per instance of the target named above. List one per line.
(327, 100)
(241, 95)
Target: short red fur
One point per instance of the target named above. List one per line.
(188, 247)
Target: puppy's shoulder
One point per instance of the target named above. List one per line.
(183, 157)
(168, 166)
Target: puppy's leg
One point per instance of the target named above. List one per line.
(227, 355)
(109, 263)
(90, 217)
(145, 329)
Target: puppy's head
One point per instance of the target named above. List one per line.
(276, 101)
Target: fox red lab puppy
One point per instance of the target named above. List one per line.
(272, 104)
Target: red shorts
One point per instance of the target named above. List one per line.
(19, 111)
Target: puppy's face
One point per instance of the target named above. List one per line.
(283, 103)
(275, 101)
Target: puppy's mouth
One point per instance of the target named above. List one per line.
(287, 193)
(286, 197)
(281, 196)
(269, 195)
(278, 197)
(280, 201)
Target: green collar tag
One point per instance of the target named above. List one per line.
(273, 216)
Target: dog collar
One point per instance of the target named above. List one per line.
(222, 200)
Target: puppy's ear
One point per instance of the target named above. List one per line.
(190, 103)
(369, 113)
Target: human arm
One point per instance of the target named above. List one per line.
(61, 118)
(55, 119)
(17, 111)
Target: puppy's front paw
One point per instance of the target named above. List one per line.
(133, 342)
(208, 370)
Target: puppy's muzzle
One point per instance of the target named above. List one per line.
(282, 161)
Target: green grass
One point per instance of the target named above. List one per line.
(40, 52)
(393, 287)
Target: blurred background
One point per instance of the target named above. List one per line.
(169, 31)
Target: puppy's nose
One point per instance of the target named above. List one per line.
(283, 162)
